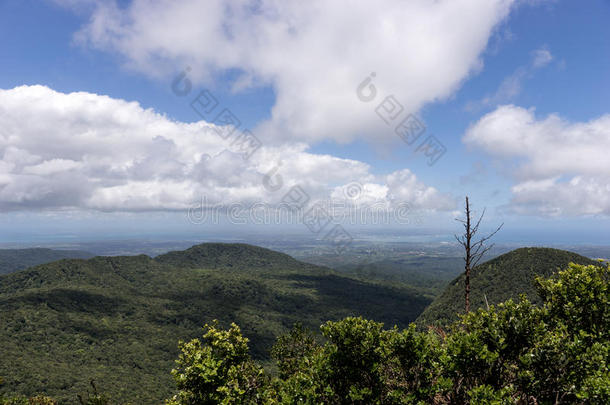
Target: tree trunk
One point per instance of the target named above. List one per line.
(474, 251)
(468, 257)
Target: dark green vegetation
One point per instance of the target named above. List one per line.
(516, 353)
(235, 256)
(506, 276)
(117, 320)
(430, 274)
(19, 259)
(428, 267)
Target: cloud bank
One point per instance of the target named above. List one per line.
(559, 167)
(88, 151)
(312, 53)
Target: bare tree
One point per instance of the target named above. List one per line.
(474, 249)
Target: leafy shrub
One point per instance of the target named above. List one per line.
(218, 370)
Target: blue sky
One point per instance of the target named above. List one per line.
(477, 74)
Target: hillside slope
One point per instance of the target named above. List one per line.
(19, 259)
(427, 273)
(118, 319)
(504, 277)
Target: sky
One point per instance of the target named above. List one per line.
(143, 117)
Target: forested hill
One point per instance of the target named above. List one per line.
(118, 319)
(18, 259)
(506, 276)
(232, 255)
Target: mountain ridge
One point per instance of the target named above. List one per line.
(217, 255)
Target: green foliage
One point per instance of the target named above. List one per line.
(551, 353)
(93, 398)
(579, 297)
(291, 349)
(117, 319)
(487, 395)
(354, 359)
(238, 256)
(497, 280)
(217, 371)
(23, 400)
(515, 352)
(410, 368)
(429, 274)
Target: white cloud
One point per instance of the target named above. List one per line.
(541, 57)
(313, 53)
(395, 188)
(560, 167)
(87, 151)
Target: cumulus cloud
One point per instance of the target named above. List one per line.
(560, 167)
(88, 151)
(312, 53)
(395, 188)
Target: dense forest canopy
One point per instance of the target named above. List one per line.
(516, 352)
(117, 320)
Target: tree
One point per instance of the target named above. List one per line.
(474, 250)
(292, 348)
(217, 370)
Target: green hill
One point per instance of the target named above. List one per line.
(231, 255)
(19, 259)
(504, 277)
(118, 319)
